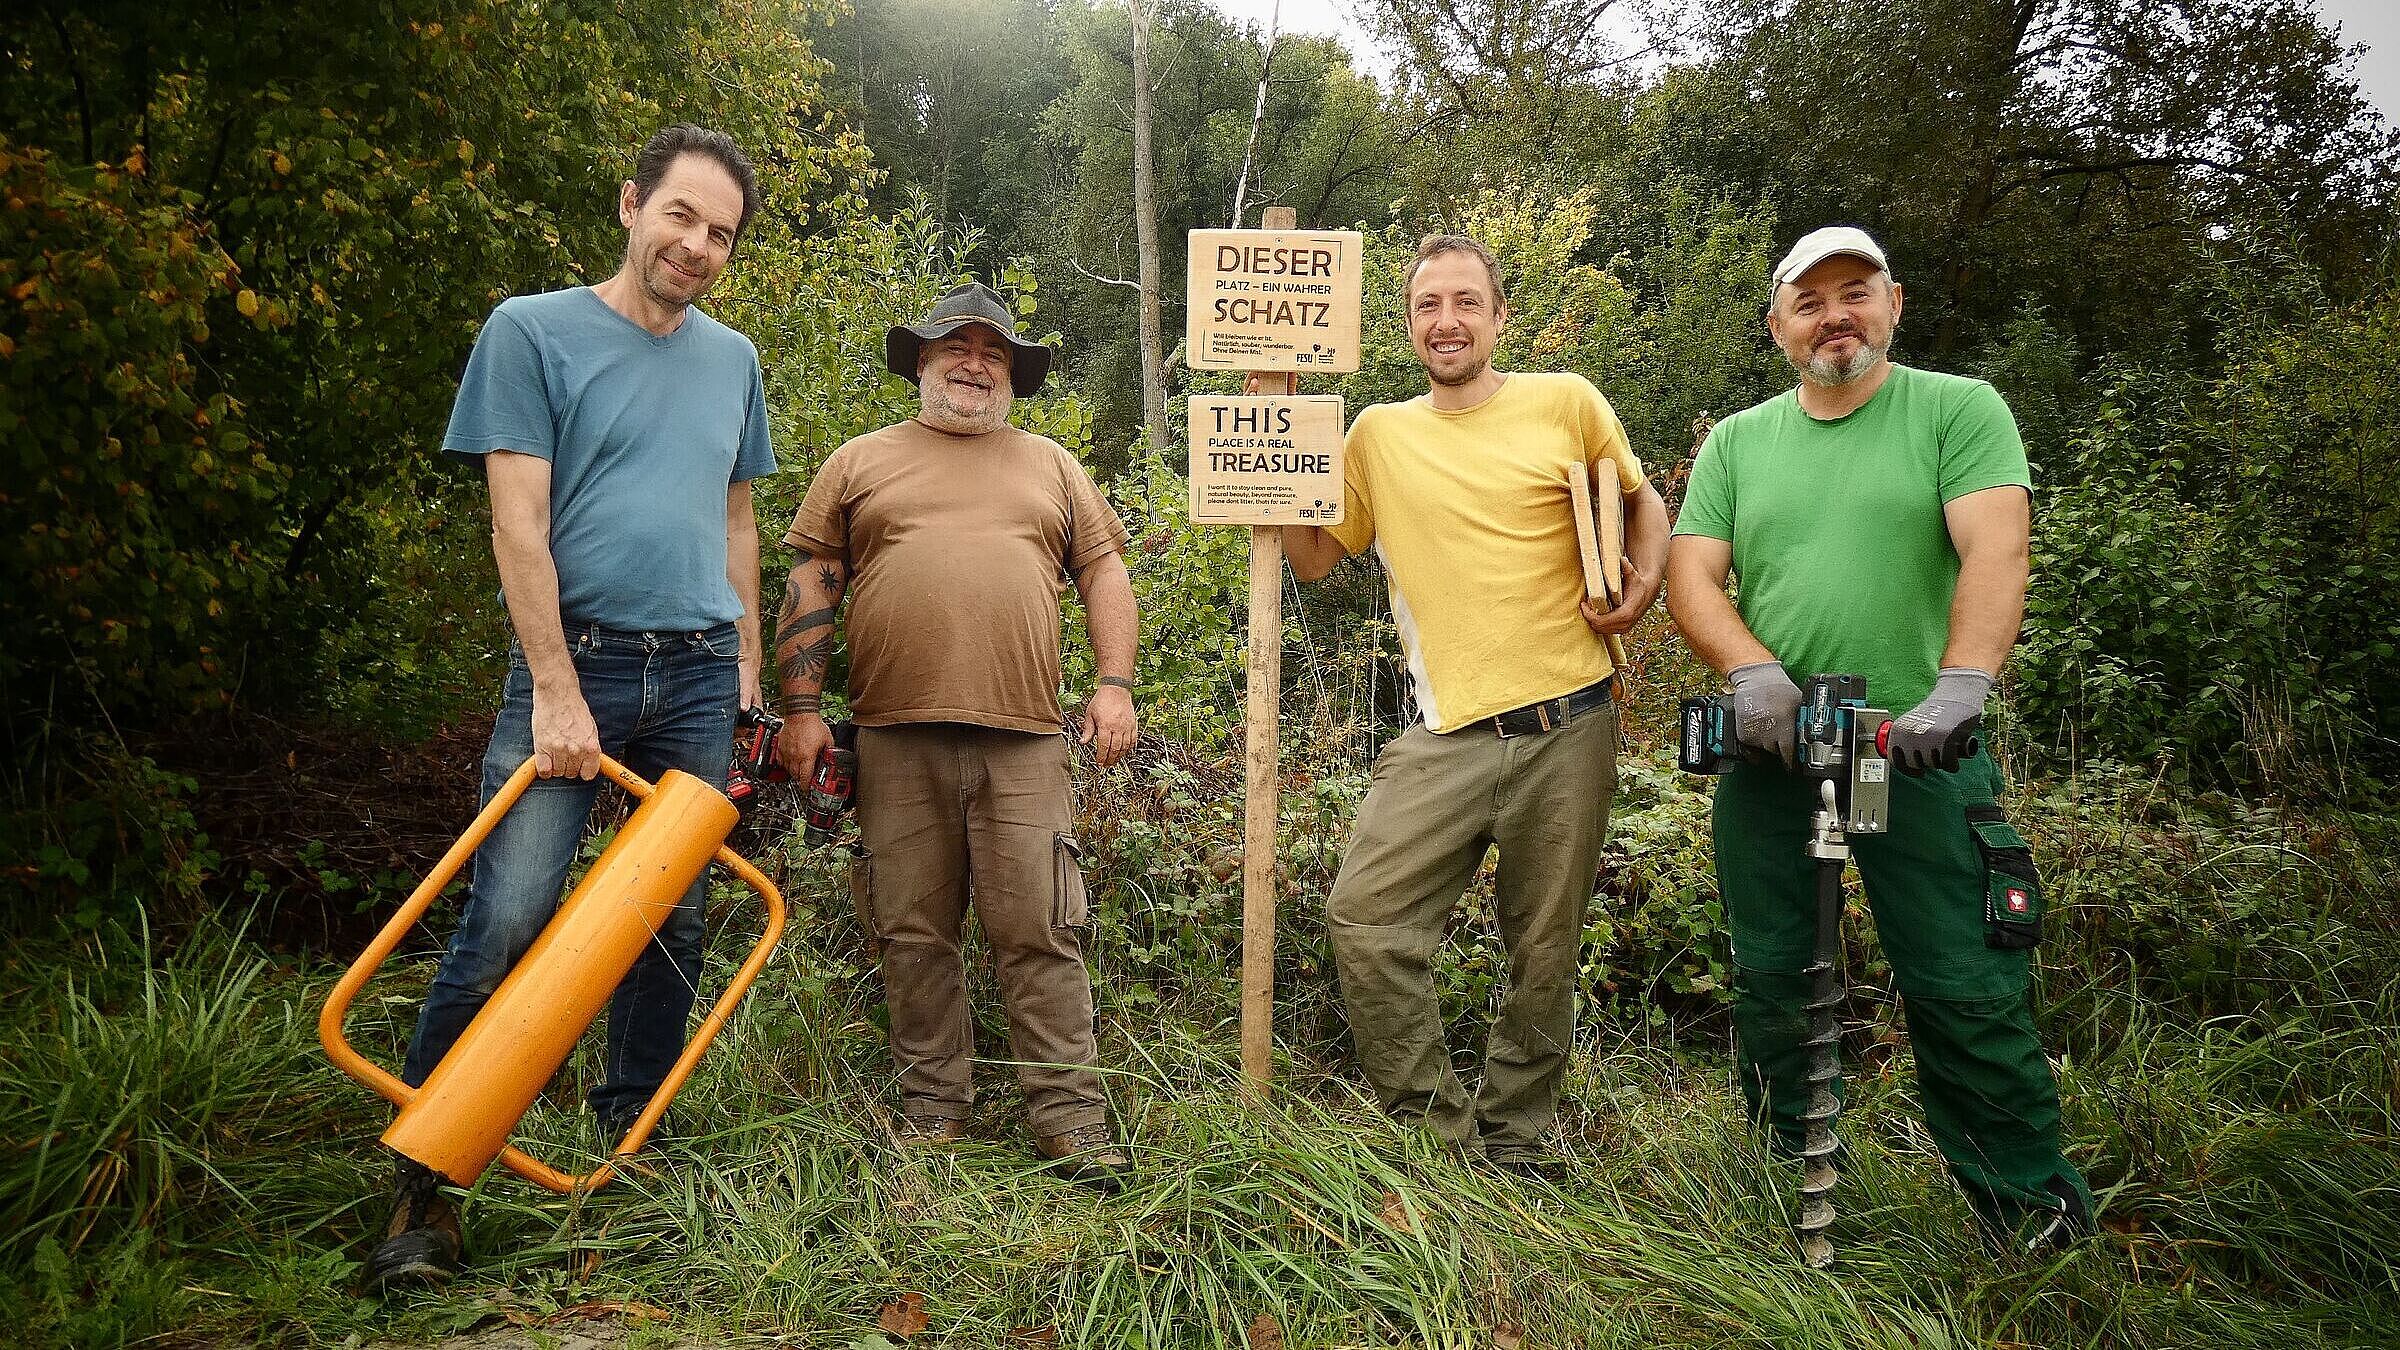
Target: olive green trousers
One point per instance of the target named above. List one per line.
(1437, 802)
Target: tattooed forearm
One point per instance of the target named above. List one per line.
(812, 600)
(800, 663)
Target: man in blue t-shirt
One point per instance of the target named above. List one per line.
(619, 429)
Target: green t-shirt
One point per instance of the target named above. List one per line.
(1845, 562)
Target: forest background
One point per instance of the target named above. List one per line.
(249, 641)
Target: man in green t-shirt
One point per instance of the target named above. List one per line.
(1877, 519)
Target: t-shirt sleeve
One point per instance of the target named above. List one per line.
(503, 399)
(756, 458)
(822, 524)
(1979, 446)
(1708, 494)
(1357, 530)
(1098, 531)
(1604, 438)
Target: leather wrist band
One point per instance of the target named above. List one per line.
(1117, 682)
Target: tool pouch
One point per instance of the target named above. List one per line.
(1071, 905)
(2012, 886)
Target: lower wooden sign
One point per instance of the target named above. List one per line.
(1273, 460)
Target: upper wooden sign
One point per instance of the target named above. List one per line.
(1273, 300)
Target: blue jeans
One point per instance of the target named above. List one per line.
(662, 701)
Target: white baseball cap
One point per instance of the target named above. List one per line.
(1818, 245)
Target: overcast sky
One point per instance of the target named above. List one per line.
(2373, 22)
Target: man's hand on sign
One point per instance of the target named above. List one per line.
(1639, 591)
(566, 742)
(1109, 725)
(804, 737)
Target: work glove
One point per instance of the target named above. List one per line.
(1766, 709)
(1939, 732)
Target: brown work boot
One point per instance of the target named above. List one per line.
(928, 1131)
(1088, 1155)
(421, 1244)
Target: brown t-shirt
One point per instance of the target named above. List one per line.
(959, 548)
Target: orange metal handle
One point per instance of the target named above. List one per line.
(345, 991)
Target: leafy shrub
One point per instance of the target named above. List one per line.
(2209, 575)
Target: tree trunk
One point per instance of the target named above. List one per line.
(1258, 114)
(1145, 231)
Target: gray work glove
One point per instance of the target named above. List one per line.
(1766, 709)
(1936, 733)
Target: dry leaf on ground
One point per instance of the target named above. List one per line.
(1045, 1335)
(1508, 1336)
(1265, 1333)
(1395, 1213)
(904, 1316)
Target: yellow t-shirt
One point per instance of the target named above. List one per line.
(1468, 511)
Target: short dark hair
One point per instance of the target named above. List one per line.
(671, 143)
(1433, 246)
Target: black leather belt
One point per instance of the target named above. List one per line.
(1551, 714)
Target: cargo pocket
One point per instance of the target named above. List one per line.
(862, 899)
(2012, 887)
(1070, 904)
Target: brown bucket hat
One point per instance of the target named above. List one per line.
(966, 303)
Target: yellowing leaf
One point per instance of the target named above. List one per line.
(904, 1316)
(247, 303)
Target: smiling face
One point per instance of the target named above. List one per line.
(1453, 319)
(1835, 322)
(963, 381)
(677, 242)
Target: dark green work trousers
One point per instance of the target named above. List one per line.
(1989, 1098)
(1436, 804)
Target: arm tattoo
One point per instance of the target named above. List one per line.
(829, 579)
(784, 611)
(789, 623)
(800, 664)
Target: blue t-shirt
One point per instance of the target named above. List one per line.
(644, 435)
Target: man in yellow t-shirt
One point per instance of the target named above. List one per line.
(1462, 494)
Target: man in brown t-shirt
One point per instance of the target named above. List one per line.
(960, 534)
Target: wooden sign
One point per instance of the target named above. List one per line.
(1266, 461)
(1273, 300)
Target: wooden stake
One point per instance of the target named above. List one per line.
(1262, 781)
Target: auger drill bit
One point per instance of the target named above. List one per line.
(1818, 1175)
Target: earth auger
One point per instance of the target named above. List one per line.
(1843, 746)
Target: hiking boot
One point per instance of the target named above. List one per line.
(421, 1244)
(1087, 1154)
(928, 1131)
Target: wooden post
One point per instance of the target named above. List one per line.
(1262, 781)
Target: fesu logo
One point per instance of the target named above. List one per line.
(2018, 901)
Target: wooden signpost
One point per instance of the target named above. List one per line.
(1274, 302)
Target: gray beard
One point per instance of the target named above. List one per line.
(1827, 372)
(936, 411)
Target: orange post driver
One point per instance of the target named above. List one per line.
(460, 1120)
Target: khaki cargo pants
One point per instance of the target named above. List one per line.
(1436, 803)
(950, 814)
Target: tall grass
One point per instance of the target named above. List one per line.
(177, 1160)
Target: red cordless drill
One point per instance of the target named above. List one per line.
(831, 786)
